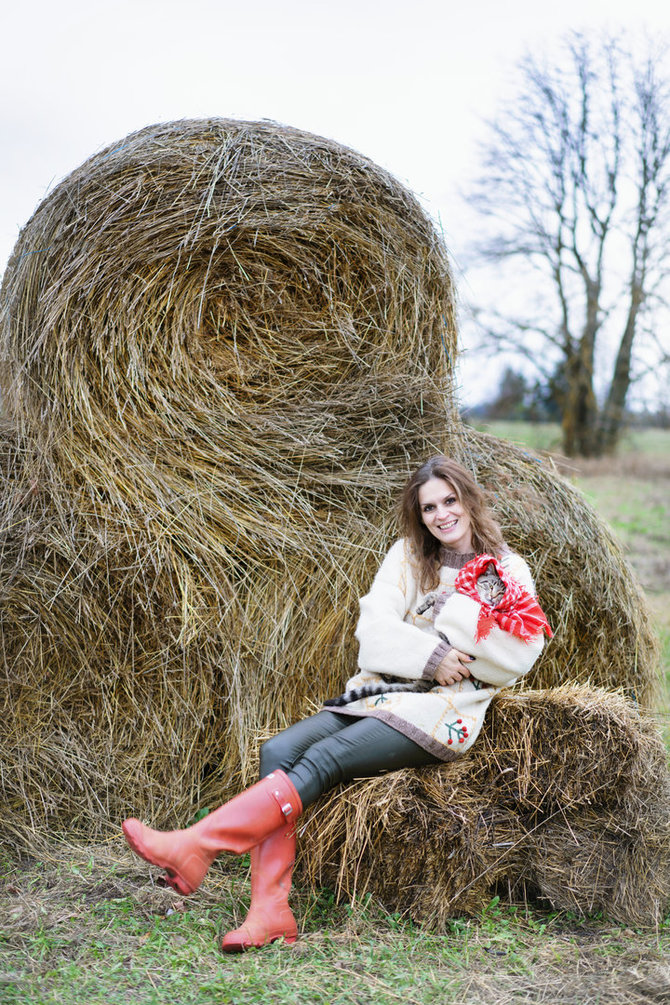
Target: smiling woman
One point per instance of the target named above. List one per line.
(443, 505)
(388, 727)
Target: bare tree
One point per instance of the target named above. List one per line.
(575, 189)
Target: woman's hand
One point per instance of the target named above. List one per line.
(452, 667)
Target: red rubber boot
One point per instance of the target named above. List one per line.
(237, 826)
(269, 916)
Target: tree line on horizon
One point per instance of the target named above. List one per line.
(520, 399)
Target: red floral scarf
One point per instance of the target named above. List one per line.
(517, 612)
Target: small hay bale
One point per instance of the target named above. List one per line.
(565, 796)
(224, 345)
(422, 842)
(589, 863)
(545, 751)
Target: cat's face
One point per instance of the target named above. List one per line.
(445, 516)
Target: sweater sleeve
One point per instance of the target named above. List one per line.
(389, 644)
(501, 658)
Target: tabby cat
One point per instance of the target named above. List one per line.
(490, 588)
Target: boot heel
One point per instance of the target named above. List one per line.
(176, 883)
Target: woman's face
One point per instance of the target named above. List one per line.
(445, 516)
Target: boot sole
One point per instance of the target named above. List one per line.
(241, 947)
(172, 877)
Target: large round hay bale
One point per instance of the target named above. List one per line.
(565, 797)
(224, 345)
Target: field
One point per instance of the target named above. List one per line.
(90, 926)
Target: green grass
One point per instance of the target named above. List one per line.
(534, 435)
(638, 511)
(653, 443)
(90, 936)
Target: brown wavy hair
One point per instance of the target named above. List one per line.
(486, 533)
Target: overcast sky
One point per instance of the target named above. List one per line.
(405, 83)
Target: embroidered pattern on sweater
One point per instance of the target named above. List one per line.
(456, 731)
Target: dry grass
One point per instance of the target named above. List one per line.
(619, 981)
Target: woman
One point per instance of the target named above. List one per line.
(446, 523)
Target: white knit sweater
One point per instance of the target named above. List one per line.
(395, 640)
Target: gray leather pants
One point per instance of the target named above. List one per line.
(326, 749)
